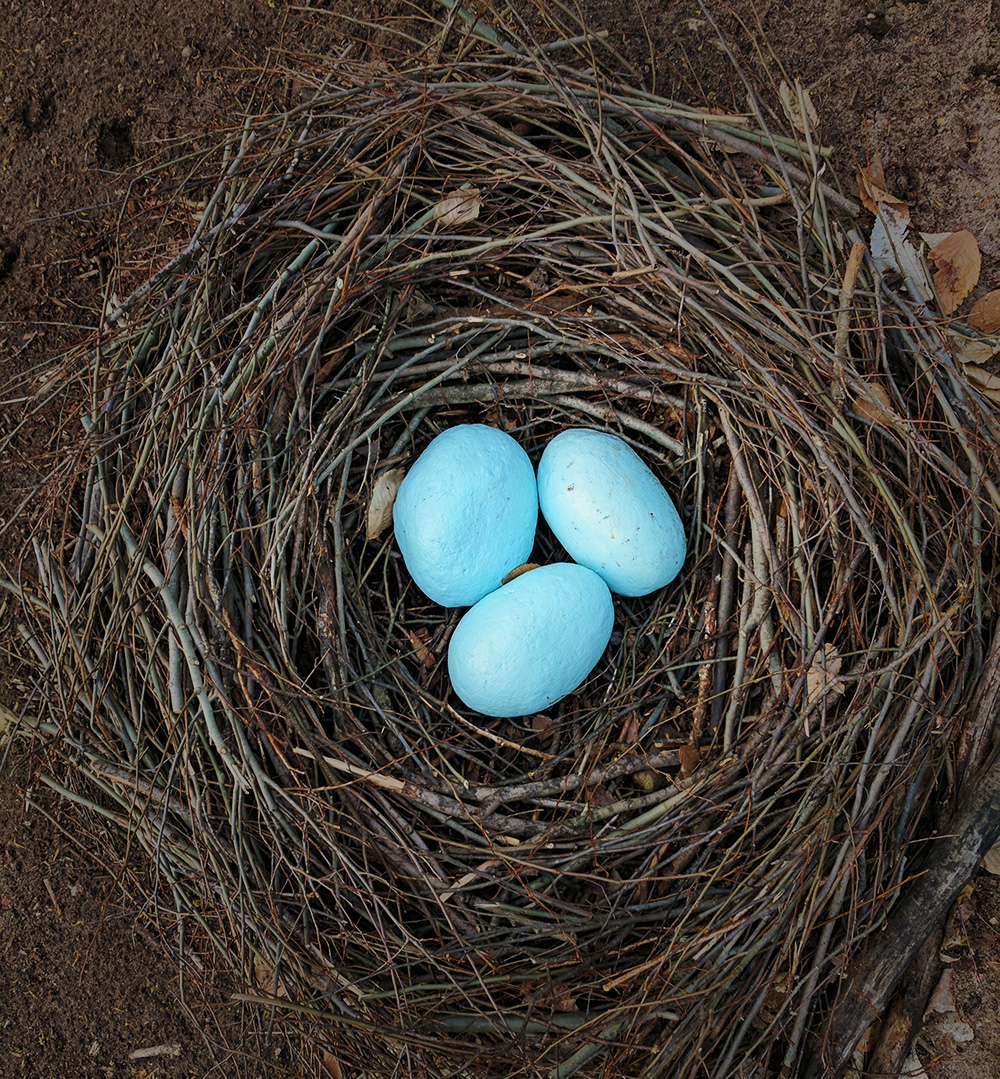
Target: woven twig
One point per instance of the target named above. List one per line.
(664, 874)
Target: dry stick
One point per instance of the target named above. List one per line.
(696, 127)
(978, 731)
(858, 250)
(900, 1025)
(903, 1020)
(952, 860)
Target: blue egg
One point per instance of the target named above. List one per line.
(527, 645)
(609, 511)
(465, 513)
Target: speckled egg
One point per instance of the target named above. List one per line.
(465, 513)
(609, 511)
(527, 645)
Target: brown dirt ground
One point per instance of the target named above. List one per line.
(92, 89)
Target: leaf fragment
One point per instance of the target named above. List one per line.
(983, 381)
(380, 504)
(821, 678)
(985, 313)
(790, 99)
(944, 1025)
(958, 263)
(418, 642)
(875, 405)
(891, 248)
(332, 1066)
(991, 863)
(873, 192)
(459, 207)
(690, 758)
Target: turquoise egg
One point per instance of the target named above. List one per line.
(527, 645)
(465, 513)
(609, 511)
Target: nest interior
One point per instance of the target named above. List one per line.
(666, 872)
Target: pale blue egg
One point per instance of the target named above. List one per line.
(527, 645)
(465, 513)
(609, 511)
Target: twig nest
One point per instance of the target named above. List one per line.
(610, 512)
(465, 513)
(525, 646)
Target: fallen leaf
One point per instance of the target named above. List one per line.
(418, 641)
(892, 250)
(913, 1069)
(459, 207)
(985, 313)
(890, 247)
(264, 975)
(869, 1038)
(382, 500)
(932, 239)
(942, 999)
(542, 725)
(690, 758)
(873, 191)
(875, 406)
(958, 264)
(331, 1065)
(981, 379)
(943, 1025)
(955, 939)
(563, 999)
(821, 677)
(969, 350)
(790, 103)
(524, 567)
(991, 863)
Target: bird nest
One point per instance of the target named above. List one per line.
(666, 872)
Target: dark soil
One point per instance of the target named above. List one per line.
(92, 90)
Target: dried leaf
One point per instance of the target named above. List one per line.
(991, 863)
(944, 1026)
(690, 758)
(459, 207)
(418, 642)
(790, 103)
(869, 1038)
(563, 999)
(874, 194)
(821, 677)
(943, 998)
(331, 1065)
(890, 247)
(958, 264)
(264, 976)
(985, 313)
(524, 567)
(892, 250)
(932, 239)
(984, 382)
(955, 939)
(542, 725)
(969, 350)
(382, 500)
(913, 1069)
(875, 406)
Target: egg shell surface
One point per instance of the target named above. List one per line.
(465, 513)
(609, 511)
(527, 645)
